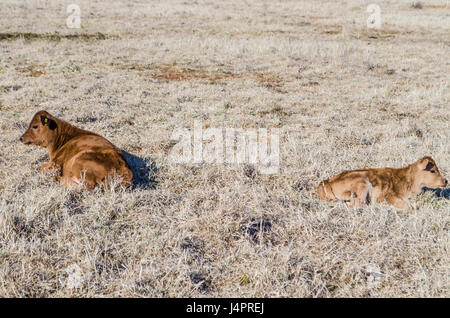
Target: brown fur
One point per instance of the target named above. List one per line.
(79, 155)
(390, 185)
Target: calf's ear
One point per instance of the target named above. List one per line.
(429, 166)
(48, 122)
(426, 163)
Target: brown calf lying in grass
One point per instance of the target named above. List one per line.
(77, 154)
(394, 186)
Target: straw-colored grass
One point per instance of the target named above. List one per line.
(344, 96)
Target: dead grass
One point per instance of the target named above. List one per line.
(171, 73)
(344, 97)
(436, 6)
(28, 36)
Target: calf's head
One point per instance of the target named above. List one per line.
(41, 131)
(428, 175)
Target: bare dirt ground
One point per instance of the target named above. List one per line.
(343, 95)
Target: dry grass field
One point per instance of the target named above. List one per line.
(344, 96)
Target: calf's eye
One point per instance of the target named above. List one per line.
(35, 127)
(432, 171)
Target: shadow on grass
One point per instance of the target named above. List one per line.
(144, 171)
(440, 193)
